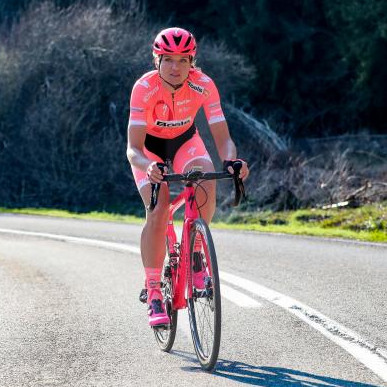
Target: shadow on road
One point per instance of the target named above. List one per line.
(268, 376)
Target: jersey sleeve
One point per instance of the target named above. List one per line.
(212, 107)
(138, 107)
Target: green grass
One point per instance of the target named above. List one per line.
(94, 215)
(367, 223)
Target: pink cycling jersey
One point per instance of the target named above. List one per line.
(168, 115)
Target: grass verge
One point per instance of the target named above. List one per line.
(94, 215)
(367, 223)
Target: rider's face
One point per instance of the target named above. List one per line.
(175, 68)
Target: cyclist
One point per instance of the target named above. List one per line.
(163, 105)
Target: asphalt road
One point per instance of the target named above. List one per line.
(69, 314)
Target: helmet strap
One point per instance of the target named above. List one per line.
(175, 87)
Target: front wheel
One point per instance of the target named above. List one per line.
(204, 304)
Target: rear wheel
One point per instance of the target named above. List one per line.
(204, 306)
(165, 336)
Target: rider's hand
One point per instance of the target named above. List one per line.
(244, 172)
(154, 174)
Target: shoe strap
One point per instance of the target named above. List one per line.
(157, 306)
(154, 294)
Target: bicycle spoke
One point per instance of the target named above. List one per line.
(204, 319)
(205, 304)
(207, 325)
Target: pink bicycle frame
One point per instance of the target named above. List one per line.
(179, 269)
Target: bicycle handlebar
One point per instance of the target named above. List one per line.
(194, 175)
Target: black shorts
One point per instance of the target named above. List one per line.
(166, 148)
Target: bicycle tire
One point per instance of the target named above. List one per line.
(204, 307)
(165, 337)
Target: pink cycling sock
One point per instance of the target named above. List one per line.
(153, 276)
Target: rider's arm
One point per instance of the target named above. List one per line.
(219, 128)
(224, 144)
(217, 122)
(136, 135)
(134, 152)
(137, 127)
(136, 156)
(226, 147)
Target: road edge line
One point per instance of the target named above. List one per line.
(366, 353)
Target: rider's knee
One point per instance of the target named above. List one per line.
(210, 185)
(157, 220)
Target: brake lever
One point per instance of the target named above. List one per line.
(238, 184)
(155, 189)
(241, 188)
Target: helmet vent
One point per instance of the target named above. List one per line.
(188, 41)
(165, 40)
(177, 39)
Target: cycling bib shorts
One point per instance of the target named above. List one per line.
(180, 151)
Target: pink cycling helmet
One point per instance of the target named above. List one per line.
(174, 41)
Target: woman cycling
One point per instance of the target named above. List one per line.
(163, 105)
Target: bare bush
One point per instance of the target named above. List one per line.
(64, 91)
(325, 176)
(65, 85)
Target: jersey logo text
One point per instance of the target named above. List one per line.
(197, 88)
(171, 124)
(151, 94)
(183, 102)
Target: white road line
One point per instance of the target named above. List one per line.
(82, 241)
(183, 322)
(238, 298)
(371, 356)
(368, 354)
(231, 294)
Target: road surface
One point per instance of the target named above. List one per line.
(296, 310)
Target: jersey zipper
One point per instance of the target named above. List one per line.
(173, 104)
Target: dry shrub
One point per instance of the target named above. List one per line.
(350, 170)
(65, 86)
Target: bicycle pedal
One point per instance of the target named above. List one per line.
(143, 296)
(208, 282)
(168, 272)
(205, 293)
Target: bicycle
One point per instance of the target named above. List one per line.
(179, 292)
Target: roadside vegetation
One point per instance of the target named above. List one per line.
(305, 103)
(366, 223)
